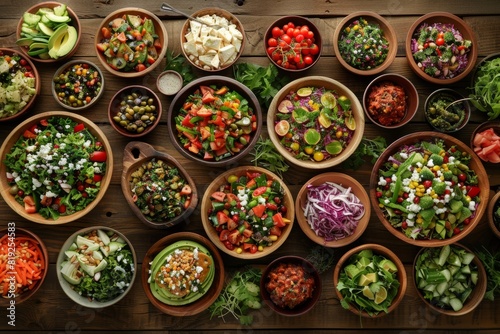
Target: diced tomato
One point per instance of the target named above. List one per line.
(28, 134)
(218, 196)
(29, 208)
(150, 60)
(44, 122)
(247, 233)
(247, 246)
(278, 220)
(251, 183)
(79, 127)
(97, 178)
(98, 156)
(29, 200)
(121, 37)
(205, 89)
(193, 148)
(473, 191)
(222, 218)
(231, 224)
(221, 151)
(275, 230)
(205, 133)
(234, 237)
(207, 97)
(204, 112)
(140, 67)
(230, 197)
(259, 209)
(208, 156)
(223, 235)
(218, 121)
(186, 121)
(157, 44)
(259, 191)
(186, 190)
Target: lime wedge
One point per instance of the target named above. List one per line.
(380, 295)
(334, 147)
(312, 137)
(282, 127)
(350, 122)
(324, 120)
(328, 100)
(367, 292)
(284, 106)
(304, 91)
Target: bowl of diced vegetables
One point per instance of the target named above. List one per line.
(370, 280)
(247, 212)
(131, 42)
(441, 48)
(450, 280)
(25, 259)
(333, 209)
(96, 266)
(20, 84)
(214, 121)
(429, 189)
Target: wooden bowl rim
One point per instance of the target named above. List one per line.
(490, 213)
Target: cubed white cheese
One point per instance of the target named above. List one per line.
(211, 42)
(191, 48)
(225, 35)
(226, 52)
(235, 32)
(206, 59)
(195, 28)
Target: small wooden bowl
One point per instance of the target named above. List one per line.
(474, 298)
(38, 84)
(475, 145)
(309, 271)
(494, 226)
(114, 109)
(378, 250)
(345, 181)
(461, 26)
(75, 22)
(475, 165)
(206, 205)
(134, 155)
(220, 13)
(449, 95)
(208, 298)
(169, 82)
(12, 232)
(371, 18)
(18, 132)
(191, 88)
(160, 30)
(65, 68)
(297, 21)
(412, 100)
(67, 287)
(330, 84)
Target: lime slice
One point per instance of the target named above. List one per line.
(328, 100)
(282, 127)
(380, 295)
(350, 122)
(304, 91)
(324, 120)
(300, 115)
(312, 137)
(284, 106)
(334, 147)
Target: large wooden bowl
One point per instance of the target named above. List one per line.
(492, 221)
(18, 132)
(475, 165)
(134, 155)
(330, 84)
(346, 182)
(202, 303)
(206, 205)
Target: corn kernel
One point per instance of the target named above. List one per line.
(435, 196)
(418, 169)
(436, 168)
(260, 248)
(419, 220)
(273, 237)
(239, 250)
(467, 198)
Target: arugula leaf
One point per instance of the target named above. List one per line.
(491, 262)
(372, 148)
(266, 156)
(179, 64)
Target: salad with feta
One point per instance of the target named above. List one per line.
(428, 190)
(55, 168)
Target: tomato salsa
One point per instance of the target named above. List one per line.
(387, 103)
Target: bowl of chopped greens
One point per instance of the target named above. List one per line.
(451, 279)
(182, 274)
(96, 266)
(315, 122)
(214, 121)
(441, 48)
(429, 189)
(494, 214)
(446, 110)
(158, 189)
(370, 280)
(365, 43)
(20, 84)
(56, 167)
(485, 80)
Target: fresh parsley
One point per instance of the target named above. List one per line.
(179, 64)
(266, 156)
(491, 262)
(371, 148)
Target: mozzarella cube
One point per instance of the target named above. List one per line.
(189, 37)
(237, 44)
(226, 52)
(195, 28)
(191, 48)
(205, 31)
(225, 35)
(215, 63)
(207, 59)
(235, 32)
(211, 42)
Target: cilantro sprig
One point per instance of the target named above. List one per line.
(266, 156)
(179, 64)
(371, 148)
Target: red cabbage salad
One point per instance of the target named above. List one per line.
(428, 190)
(314, 123)
(332, 211)
(440, 50)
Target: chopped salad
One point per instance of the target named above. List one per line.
(440, 50)
(428, 190)
(55, 168)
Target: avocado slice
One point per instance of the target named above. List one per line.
(58, 19)
(45, 29)
(69, 271)
(91, 245)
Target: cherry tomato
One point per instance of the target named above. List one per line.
(297, 58)
(228, 245)
(314, 49)
(439, 41)
(427, 183)
(462, 177)
(291, 24)
(308, 60)
(304, 29)
(277, 32)
(272, 42)
(456, 230)
(270, 50)
(310, 34)
(299, 38)
(253, 249)
(286, 38)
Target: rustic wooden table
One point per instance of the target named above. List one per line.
(51, 311)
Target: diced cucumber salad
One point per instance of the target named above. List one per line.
(98, 265)
(446, 276)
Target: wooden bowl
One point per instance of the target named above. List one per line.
(160, 50)
(213, 234)
(411, 97)
(135, 155)
(9, 234)
(377, 250)
(207, 299)
(482, 148)
(444, 18)
(448, 95)
(191, 88)
(273, 52)
(17, 133)
(94, 93)
(309, 273)
(493, 206)
(38, 85)
(189, 42)
(346, 182)
(75, 22)
(118, 112)
(68, 288)
(169, 82)
(475, 297)
(475, 165)
(372, 18)
(329, 84)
